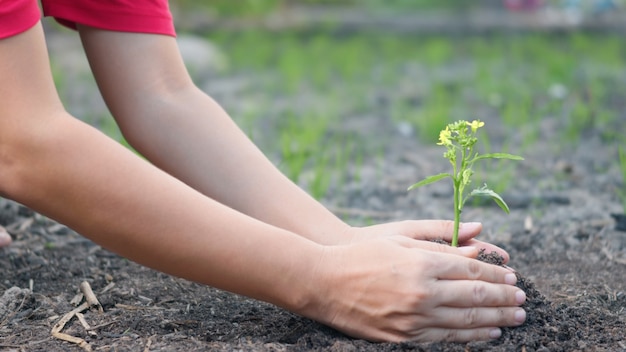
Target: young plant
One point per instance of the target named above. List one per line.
(459, 139)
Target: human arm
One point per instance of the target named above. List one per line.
(71, 172)
(185, 132)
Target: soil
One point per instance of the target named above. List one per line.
(571, 259)
(560, 234)
(620, 221)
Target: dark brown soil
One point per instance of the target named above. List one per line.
(147, 310)
(571, 259)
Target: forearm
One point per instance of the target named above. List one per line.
(184, 132)
(74, 174)
(192, 137)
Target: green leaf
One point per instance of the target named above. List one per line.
(429, 180)
(486, 192)
(498, 156)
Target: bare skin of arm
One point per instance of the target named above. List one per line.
(383, 287)
(174, 124)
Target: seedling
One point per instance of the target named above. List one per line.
(459, 139)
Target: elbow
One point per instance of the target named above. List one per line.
(12, 168)
(26, 147)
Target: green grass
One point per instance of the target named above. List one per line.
(429, 81)
(301, 138)
(255, 8)
(321, 180)
(322, 79)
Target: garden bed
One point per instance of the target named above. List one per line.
(560, 233)
(573, 257)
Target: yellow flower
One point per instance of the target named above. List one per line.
(444, 137)
(476, 124)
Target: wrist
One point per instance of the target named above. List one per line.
(337, 234)
(309, 297)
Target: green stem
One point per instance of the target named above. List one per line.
(458, 194)
(457, 214)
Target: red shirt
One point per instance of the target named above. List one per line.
(139, 16)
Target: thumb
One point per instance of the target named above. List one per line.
(468, 252)
(465, 251)
(438, 229)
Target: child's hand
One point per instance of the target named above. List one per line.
(426, 230)
(397, 289)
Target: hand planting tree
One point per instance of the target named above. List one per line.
(459, 139)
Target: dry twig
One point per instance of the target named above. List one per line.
(56, 329)
(129, 307)
(83, 322)
(90, 297)
(90, 301)
(148, 344)
(108, 287)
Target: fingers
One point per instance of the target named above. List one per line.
(468, 324)
(488, 247)
(470, 310)
(459, 335)
(438, 229)
(473, 309)
(432, 246)
(5, 238)
(472, 318)
(432, 230)
(397, 288)
(460, 268)
(443, 229)
(468, 252)
(463, 294)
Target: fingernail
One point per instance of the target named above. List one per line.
(520, 297)
(520, 316)
(495, 333)
(510, 279)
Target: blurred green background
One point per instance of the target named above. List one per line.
(324, 86)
